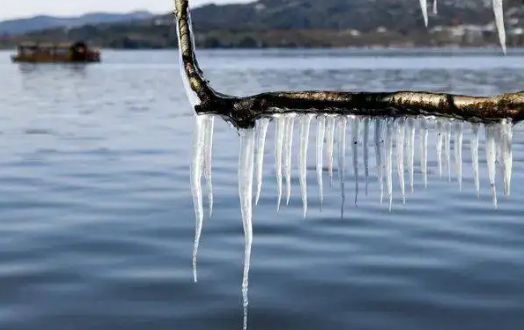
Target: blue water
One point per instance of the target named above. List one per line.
(97, 220)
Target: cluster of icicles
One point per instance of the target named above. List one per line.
(498, 10)
(391, 142)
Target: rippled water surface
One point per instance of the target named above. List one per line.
(98, 220)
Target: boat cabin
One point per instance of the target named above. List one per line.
(53, 53)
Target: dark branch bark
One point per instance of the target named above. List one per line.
(244, 110)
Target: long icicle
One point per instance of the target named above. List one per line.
(261, 134)
(424, 8)
(342, 123)
(410, 150)
(197, 165)
(447, 148)
(440, 139)
(435, 7)
(399, 144)
(305, 124)
(498, 10)
(288, 153)
(330, 145)
(389, 161)
(491, 155)
(208, 159)
(379, 143)
(424, 150)
(245, 192)
(355, 132)
(475, 156)
(507, 154)
(321, 132)
(279, 146)
(366, 151)
(459, 136)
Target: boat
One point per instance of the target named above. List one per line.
(77, 52)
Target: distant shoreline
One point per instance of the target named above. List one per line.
(488, 48)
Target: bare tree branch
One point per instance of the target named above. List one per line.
(244, 110)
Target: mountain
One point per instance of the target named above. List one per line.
(307, 23)
(363, 15)
(24, 25)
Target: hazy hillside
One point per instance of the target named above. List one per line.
(19, 26)
(309, 23)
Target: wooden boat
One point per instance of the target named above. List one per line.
(77, 52)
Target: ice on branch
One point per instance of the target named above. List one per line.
(394, 145)
(341, 139)
(491, 156)
(197, 165)
(389, 160)
(305, 123)
(475, 156)
(410, 151)
(208, 159)
(279, 147)
(498, 10)
(379, 143)
(366, 152)
(245, 192)
(507, 154)
(330, 145)
(399, 144)
(424, 7)
(424, 150)
(261, 134)
(321, 133)
(288, 149)
(355, 133)
(459, 137)
(396, 141)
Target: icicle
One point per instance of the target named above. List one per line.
(330, 145)
(400, 137)
(459, 135)
(279, 144)
(245, 192)
(288, 150)
(435, 7)
(440, 138)
(410, 150)
(366, 152)
(379, 143)
(389, 161)
(197, 165)
(354, 147)
(424, 7)
(261, 134)
(342, 122)
(498, 10)
(321, 132)
(491, 159)
(305, 123)
(208, 159)
(424, 150)
(475, 156)
(190, 93)
(506, 129)
(447, 142)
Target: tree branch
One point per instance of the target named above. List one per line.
(244, 110)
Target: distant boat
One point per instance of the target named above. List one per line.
(77, 52)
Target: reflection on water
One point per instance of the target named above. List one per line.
(395, 145)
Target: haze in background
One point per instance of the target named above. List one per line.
(25, 8)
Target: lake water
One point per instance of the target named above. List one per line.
(96, 198)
